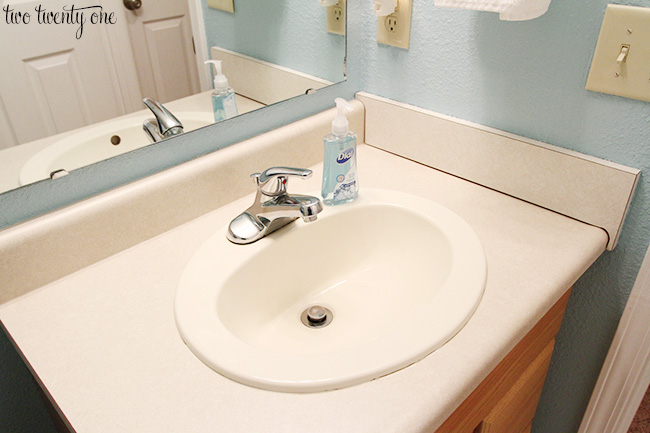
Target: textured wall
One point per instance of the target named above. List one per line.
(293, 32)
(528, 78)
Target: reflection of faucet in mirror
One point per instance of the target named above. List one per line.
(164, 125)
(273, 207)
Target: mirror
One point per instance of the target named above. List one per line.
(71, 91)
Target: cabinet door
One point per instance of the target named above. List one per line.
(526, 363)
(515, 411)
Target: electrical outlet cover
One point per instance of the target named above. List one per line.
(224, 5)
(336, 18)
(395, 29)
(623, 25)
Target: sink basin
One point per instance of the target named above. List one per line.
(96, 143)
(401, 275)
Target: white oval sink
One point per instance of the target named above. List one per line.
(93, 144)
(400, 274)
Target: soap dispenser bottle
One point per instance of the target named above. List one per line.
(224, 104)
(340, 178)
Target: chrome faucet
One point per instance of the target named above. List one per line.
(273, 207)
(164, 125)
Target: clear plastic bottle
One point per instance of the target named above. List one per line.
(340, 178)
(224, 105)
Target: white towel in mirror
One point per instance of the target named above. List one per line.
(509, 10)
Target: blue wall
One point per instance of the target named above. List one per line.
(293, 31)
(23, 408)
(528, 78)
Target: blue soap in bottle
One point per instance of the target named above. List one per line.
(224, 105)
(340, 178)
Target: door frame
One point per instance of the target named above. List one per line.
(625, 375)
(200, 44)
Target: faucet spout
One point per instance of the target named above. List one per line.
(295, 206)
(310, 207)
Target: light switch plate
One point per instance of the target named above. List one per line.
(395, 29)
(336, 18)
(623, 25)
(224, 5)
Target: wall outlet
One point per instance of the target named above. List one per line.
(621, 64)
(391, 23)
(336, 18)
(224, 5)
(395, 29)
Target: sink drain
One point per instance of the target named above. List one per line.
(316, 316)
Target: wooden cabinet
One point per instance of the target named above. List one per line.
(506, 400)
(514, 412)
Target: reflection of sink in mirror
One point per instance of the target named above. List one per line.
(97, 143)
(14, 159)
(394, 277)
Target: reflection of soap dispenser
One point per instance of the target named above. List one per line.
(224, 104)
(340, 179)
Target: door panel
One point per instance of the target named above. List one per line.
(55, 81)
(161, 38)
(49, 78)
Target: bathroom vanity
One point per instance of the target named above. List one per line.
(98, 327)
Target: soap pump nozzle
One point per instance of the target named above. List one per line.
(340, 123)
(220, 80)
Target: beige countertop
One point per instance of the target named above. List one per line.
(104, 342)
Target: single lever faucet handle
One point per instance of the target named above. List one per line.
(272, 182)
(168, 124)
(272, 172)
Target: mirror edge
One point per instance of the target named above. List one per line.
(34, 200)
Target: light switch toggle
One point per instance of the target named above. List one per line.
(622, 55)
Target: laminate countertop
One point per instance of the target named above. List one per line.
(103, 340)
